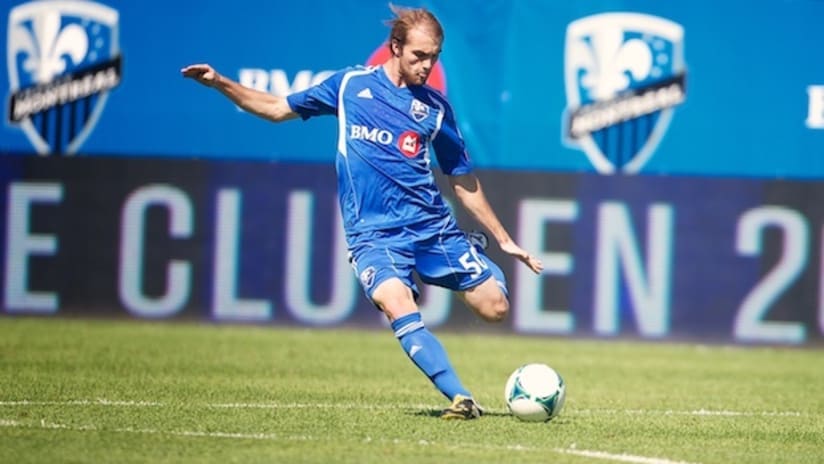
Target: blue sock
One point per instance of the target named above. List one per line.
(428, 354)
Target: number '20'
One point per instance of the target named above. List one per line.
(749, 323)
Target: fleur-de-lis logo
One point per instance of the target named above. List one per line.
(63, 60)
(624, 73)
(47, 47)
(608, 62)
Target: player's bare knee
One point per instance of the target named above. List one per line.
(394, 298)
(396, 306)
(496, 310)
(501, 308)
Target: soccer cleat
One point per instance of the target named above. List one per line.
(462, 408)
(478, 239)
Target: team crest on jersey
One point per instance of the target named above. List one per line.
(63, 59)
(419, 110)
(624, 74)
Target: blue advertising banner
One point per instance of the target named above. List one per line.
(635, 86)
(646, 257)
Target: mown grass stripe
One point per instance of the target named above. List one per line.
(275, 437)
(393, 407)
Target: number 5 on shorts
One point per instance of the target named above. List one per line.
(471, 262)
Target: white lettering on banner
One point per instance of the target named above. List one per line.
(300, 241)
(821, 286)
(599, 115)
(749, 322)
(617, 249)
(529, 312)
(225, 303)
(21, 244)
(623, 260)
(277, 82)
(133, 236)
(257, 79)
(815, 111)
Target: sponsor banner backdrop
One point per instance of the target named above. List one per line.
(641, 257)
(638, 86)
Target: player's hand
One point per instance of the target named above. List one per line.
(202, 73)
(532, 262)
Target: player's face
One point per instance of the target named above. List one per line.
(418, 56)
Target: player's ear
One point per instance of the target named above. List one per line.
(396, 47)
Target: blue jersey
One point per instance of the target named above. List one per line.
(384, 137)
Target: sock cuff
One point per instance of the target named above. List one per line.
(407, 324)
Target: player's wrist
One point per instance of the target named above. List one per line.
(504, 241)
(217, 80)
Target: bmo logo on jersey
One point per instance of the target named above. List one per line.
(381, 136)
(409, 142)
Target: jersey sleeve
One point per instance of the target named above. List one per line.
(449, 146)
(319, 99)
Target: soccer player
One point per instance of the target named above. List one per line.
(395, 219)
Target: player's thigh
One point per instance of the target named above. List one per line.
(383, 263)
(454, 263)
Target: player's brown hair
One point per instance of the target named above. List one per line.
(407, 19)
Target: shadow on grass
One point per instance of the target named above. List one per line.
(437, 413)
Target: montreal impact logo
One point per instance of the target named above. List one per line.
(624, 73)
(63, 59)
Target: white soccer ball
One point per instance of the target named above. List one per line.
(535, 393)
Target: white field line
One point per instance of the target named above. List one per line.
(694, 412)
(274, 437)
(343, 406)
(184, 433)
(95, 402)
(617, 457)
(389, 407)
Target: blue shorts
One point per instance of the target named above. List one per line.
(438, 251)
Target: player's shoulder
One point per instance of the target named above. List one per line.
(351, 71)
(431, 96)
(345, 76)
(358, 70)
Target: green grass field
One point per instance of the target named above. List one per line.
(117, 391)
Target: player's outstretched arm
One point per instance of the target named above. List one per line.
(265, 105)
(468, 189)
